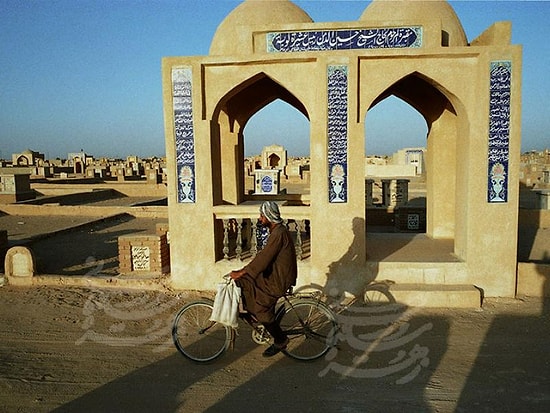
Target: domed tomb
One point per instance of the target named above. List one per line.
(414, 11)
(234, 34)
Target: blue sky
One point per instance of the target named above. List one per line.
(85, 74)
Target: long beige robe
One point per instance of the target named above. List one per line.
(269, 275)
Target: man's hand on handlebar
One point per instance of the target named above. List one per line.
(236, 274)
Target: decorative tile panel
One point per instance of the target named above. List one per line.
(337, 131)
(183, 128)
(347, 39)
(499, 131)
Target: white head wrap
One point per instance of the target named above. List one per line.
(270, 210)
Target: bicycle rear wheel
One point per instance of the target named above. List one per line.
(310, 326)
(195, 336)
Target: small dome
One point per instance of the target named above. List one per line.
(234, 34)
(411, 11)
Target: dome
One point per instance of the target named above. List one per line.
(413, 11)
(234, 34)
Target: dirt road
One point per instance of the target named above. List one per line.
(67, 349)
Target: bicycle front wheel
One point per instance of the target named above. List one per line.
(195, 336)
(311, 328)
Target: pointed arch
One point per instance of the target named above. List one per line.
(444, 159)
(423, 93)
(247, 98)
(229, 119)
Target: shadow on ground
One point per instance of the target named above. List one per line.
(90, 250)
(384, 362)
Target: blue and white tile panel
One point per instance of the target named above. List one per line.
(184, 134)
(345, 39)
(337, 131)
(499, 131)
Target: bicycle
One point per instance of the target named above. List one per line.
(307, 321)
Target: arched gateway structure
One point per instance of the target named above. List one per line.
(334, 73)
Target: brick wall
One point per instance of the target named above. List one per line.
(143, 254)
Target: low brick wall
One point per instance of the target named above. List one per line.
(143, 254)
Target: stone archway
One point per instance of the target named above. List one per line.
(395, 180)
(228, 123)
(468, 92)
(430, 100)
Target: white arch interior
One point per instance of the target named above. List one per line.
(392, 125)
(277, 124)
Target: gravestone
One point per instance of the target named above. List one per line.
(19, 266)
(267, 181)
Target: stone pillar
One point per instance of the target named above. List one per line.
(401, 192)
(388, 192)
(19, 266)
(368, 192)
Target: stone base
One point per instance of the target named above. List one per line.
(436, 295)
(533, 279)
(144, 254)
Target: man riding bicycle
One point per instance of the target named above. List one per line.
(269, 275)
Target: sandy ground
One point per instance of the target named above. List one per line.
(68, 349)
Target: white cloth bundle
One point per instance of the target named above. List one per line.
(226, 304)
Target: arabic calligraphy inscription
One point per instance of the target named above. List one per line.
(183, 129)
(499, 131)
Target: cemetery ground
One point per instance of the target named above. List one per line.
(91, 348)
(81, 349)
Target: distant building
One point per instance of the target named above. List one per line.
(408, 162)
(28, 158)
(79, 161)
(410, 156)
(274, 157)
(535, 169)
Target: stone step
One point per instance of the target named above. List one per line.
(436, 295)
(429, 272)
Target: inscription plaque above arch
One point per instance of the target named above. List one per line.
(345, 39)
